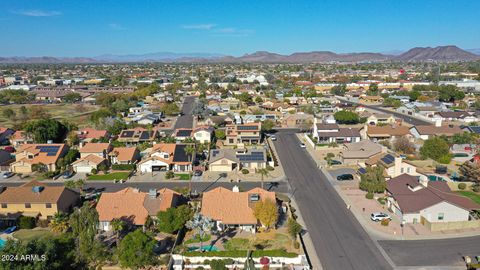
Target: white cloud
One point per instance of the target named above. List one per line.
(207, 26)
(38, 13)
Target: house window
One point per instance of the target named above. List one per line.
(4, 205)
(401, 170)
(48, 205)
(408, 170)
(440, 216)
(27, 205)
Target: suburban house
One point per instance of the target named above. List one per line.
(6, 158)
(203, 134)
(87, 163)
(20, 137)
(376, 118)
(137, 135)
(232, 208)
(297, 121)
(243, 133)
(227, 160)
(182, 134)
(98, 149)
(89, 134)
(35, 199)
(417, 200)
(390, 132)
(461, 116)
(428, 131)
(31, 154)
(167, 156)
(332, 133)
(370, 99)
(133, 206)
(394, 166)
(359, 152)
(124, 155)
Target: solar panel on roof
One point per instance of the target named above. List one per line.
(362, 170)
(388, 159)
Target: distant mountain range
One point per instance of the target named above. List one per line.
(418, 54)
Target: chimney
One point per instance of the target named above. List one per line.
(235, 189)
(152, 193)
(438, 122)
(423, 180)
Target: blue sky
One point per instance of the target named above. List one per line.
(233, 27)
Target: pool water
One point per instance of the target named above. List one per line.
(204, 248)
(435, 178)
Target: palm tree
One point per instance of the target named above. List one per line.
(190, 150)
(118, 226)
(263, 172)
(59, 223)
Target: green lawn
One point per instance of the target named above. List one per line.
(183, 176)
(196, 239)
(470, 194)
(27, 235)
(110, 176)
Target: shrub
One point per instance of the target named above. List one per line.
(476, 188)
(217, 265)
(169, 175)
(94, 171)
(26, 222)
(369, 195)
(385, 222)
(381, 200)
(269, 168)
(462, 186)
(242, 253)
(245, 171)
(445, 159)
(123, 167)
(296, 245)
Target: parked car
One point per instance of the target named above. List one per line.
(345, 177)
(379, 216)
(335, 162)
(9, 149)
(197, 173)
(6, 175)
(302, 145)
(67, 174)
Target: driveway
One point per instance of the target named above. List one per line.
(186, 119)
(340, 171)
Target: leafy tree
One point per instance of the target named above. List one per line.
(55, 253)
(414, 95)
(403, 145)
(174, 219)
(44, 130)
(258, 100)
(71, 156)
(435, 148)
(339, 90)
(26, 222)
(136, 250)
(170, 109)
(84, 222)
(372, 89)
(9, 113)
(72, 97)
(293, 228)
(329, 158)
(373, 180)
(72, 138)
(245, 97)
(346, 117)
(391, 102)
(268, 125)
(266, 211)
(470, 171)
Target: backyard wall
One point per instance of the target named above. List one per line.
(457, 225)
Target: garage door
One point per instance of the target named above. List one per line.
(82, 169)
(159, 168)
(221, 168)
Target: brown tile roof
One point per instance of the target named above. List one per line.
(134, 206)
(124, 153)
(91, 133)
(95, 148)
(91, 159)
(436, 192)
(230, 207)
(25, 194)
(449, 130)
(38, 156)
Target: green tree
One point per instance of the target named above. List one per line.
(293, 228)
(263, 172)
(268, 125)
(173, 219)
(118, 226)
(372, 89)
(329, 158)
(83, 222)
(266, 211)
(414, 95)
(436, 148)
(44, 130)
(9, 113)
(136, 250)
(346, 117)
(373, 180)
(339, 90)
(220, 134)
(59, 223)
(245, 97)
(72, 97)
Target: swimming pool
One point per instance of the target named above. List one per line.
(204, 248)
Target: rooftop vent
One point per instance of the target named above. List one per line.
(152, 193)
(37, 189)
(254, 197)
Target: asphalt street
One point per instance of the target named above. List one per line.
(340, 241)
(406, 118)
(186, 120)
(442, 252)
